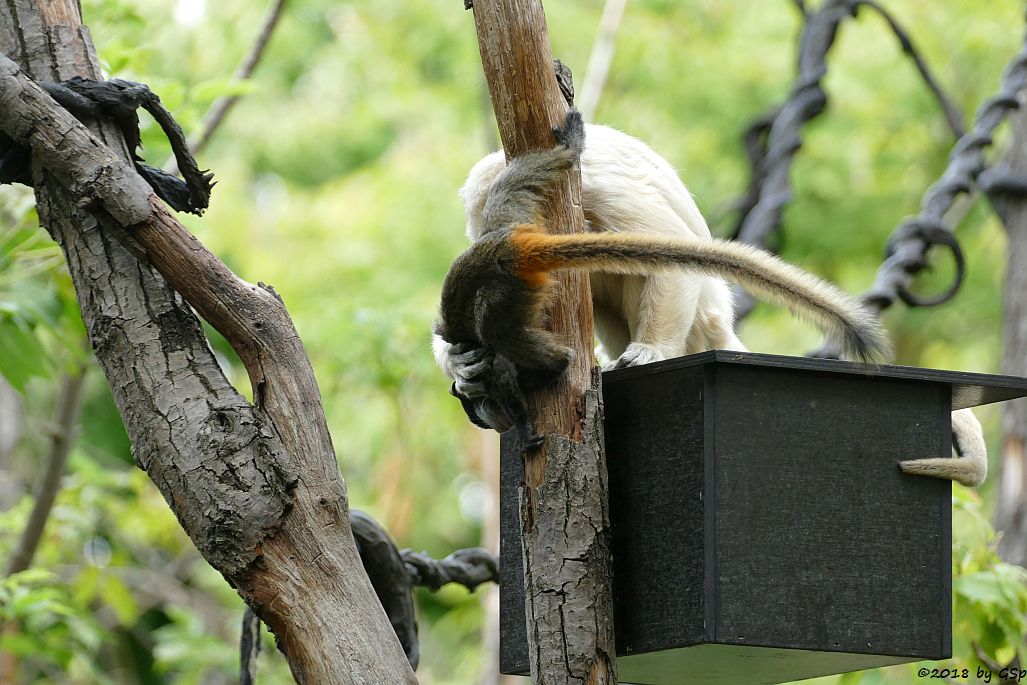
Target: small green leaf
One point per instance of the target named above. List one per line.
(21, 355)
(120, 599)
(985, 587)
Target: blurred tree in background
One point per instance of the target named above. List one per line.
(337, 178)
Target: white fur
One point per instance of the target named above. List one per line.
(626, 186)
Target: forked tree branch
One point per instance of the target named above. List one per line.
(256, 487)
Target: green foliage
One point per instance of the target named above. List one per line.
(45, 626)
(990, 595)
(337, 178)
(35, 302)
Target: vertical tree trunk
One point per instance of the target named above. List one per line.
(1011, 512)
(256, 487)
(563, 502)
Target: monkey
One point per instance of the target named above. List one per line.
(627, 187)
(647, 314)
(495, 291)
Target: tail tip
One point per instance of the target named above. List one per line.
(867, 343)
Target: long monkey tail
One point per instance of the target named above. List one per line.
(837, 315)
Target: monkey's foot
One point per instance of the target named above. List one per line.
(526, 439)
(572, 133)
(635, 355)
(534, 442)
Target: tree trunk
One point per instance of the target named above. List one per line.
(564, 511)
(256, 487)
(1011, 512)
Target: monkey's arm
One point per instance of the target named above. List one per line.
(521, 188)
(488, 391)
(970, 468)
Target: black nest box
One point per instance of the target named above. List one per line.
(762, 531)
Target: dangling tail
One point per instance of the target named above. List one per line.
(837, 315)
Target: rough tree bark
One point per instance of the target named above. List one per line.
(563, 501)
(1011, 512)
(256, 487)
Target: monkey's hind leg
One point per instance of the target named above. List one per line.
(540, 358)
(970, 468)
(501, 315)
(509, 384)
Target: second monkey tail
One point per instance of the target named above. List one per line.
(835, 313)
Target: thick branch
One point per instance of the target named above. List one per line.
(564, 513)
(246, 482)
(189, 428)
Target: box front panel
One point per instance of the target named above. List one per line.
(820, 541)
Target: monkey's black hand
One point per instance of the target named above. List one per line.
(471, 366)
(502, 406)
(572, 134)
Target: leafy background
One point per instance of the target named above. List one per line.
(337, 177)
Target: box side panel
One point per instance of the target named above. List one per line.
(513, 634)
(821, 542)
(654, 455)
(945, 393)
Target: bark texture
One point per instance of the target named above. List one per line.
(256, 487)
(563, 503)
(1011, 512)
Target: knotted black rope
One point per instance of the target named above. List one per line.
(119, 101)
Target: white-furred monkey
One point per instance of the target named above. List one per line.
(645, 309)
